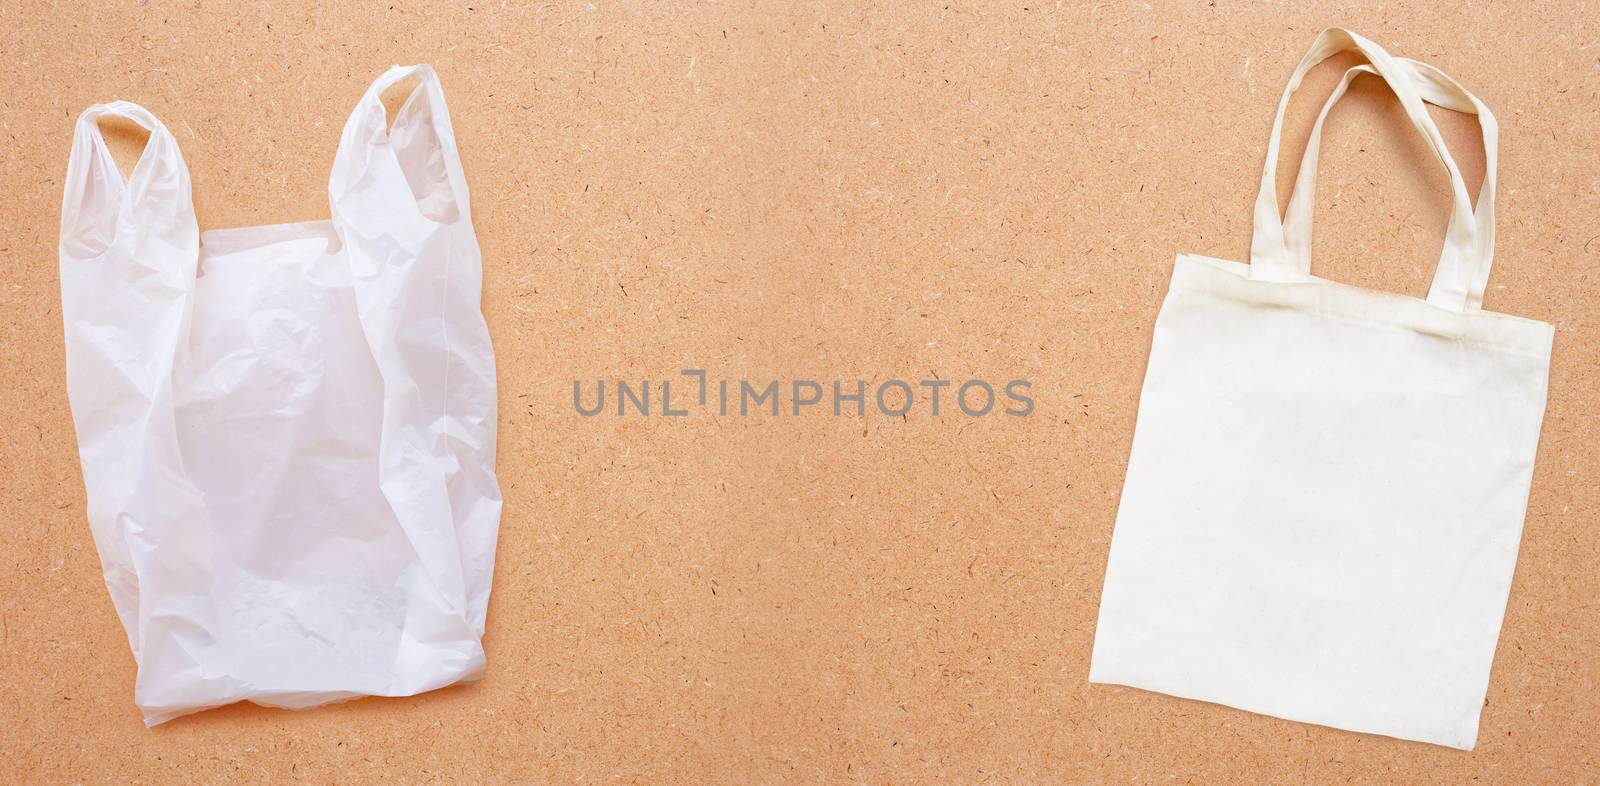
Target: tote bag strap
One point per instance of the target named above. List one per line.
(1439, 89)
(1271, 257)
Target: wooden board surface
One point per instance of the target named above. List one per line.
(809, 191)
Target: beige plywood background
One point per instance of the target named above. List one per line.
(823, 191)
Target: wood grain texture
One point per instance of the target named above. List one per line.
(809, 190)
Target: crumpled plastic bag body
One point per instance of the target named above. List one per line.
(287, 432)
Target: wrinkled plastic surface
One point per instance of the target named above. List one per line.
(287, 432)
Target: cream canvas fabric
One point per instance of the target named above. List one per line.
(287, 432)
(1327, 485)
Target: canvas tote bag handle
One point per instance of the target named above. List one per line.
(1270, 256)
(1439, 89)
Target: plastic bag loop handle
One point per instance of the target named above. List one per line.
(376, 121)
(91, 162)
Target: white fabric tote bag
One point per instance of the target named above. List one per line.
(1327, 485)
(287, 432)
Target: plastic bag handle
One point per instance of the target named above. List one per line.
(1437, 88)
(1270, 256)
(373, 124)
(90, 157)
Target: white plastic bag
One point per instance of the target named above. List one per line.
(1327, 484)
(287, 432)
